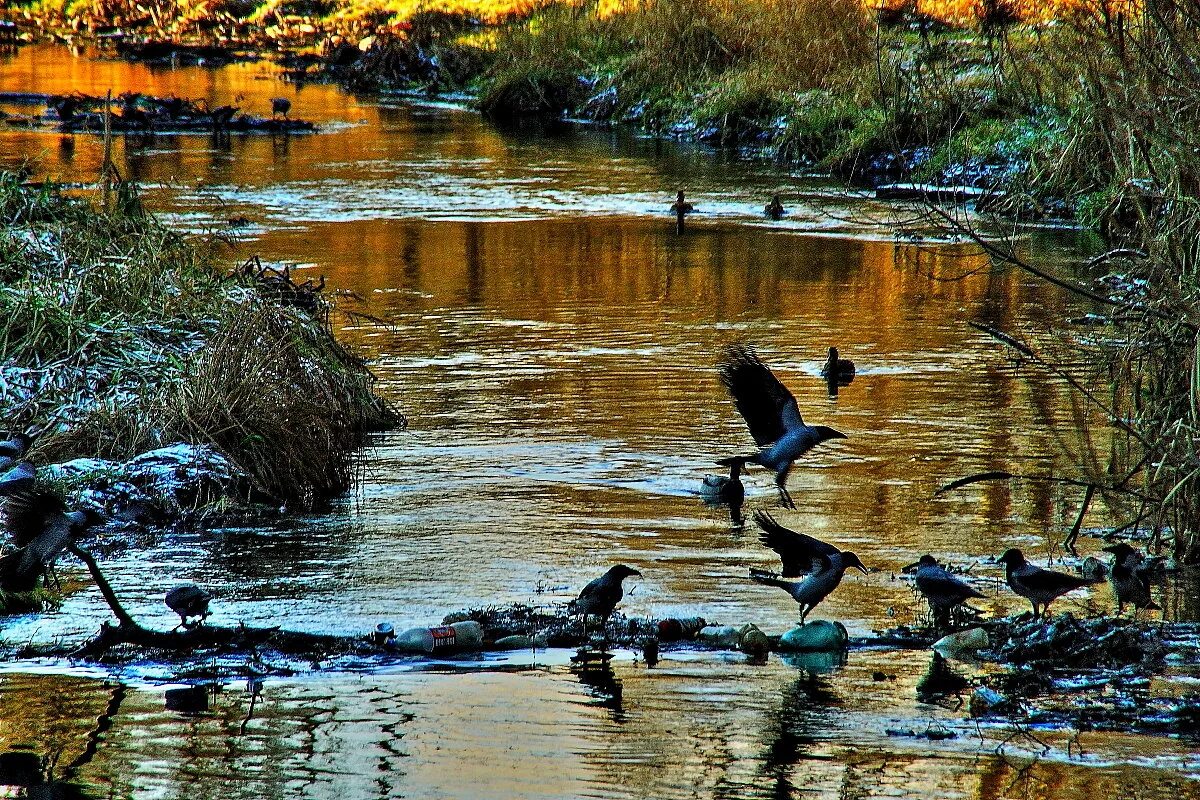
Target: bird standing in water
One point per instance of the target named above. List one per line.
(772, 415)
(774, 209)
(942, 590)
(1129, 575)
(681, 208)
(600, 597)
(1039, 586)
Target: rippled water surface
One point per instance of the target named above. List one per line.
(526, 302)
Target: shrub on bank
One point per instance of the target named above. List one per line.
(118, 335)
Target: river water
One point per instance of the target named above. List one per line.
(525, 300)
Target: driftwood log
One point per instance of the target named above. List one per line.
(127, 631)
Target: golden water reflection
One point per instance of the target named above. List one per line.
(553, 343)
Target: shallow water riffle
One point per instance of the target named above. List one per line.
(703, 725)
(526, 302)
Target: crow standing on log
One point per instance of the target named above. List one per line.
(41, 527)
(188, 600)
(772, 415)
(600, 597)
(1039, 586)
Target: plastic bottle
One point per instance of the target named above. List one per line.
(457, 638)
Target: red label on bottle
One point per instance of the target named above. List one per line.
(442, 637)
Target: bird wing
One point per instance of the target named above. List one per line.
(26, 516)
(1048, 581)
(798, 551)
(596, 598)
(764, 402)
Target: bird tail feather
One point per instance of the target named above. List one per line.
(769, 579)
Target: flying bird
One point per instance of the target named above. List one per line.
(1129, 575)
(772, 415)
(942, 590)
(809, 592)
(600, 597)
(1039, 586)
(41, 528)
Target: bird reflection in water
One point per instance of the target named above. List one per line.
(790, 737)
(941, 685)
(597, 674)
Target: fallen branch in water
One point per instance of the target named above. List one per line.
(241, 638)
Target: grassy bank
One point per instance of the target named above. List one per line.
(119, 335)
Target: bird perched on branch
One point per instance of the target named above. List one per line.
(1039, 586)
(942, 590)
(41, 527)
(809, 592)
(600, 597)
(772, 415)
(1129, 574)
(188, 600)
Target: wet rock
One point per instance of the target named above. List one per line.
(156, 486)
(819, 636)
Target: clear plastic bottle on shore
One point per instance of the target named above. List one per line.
(456, 638)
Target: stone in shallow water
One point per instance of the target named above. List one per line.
(819, 636)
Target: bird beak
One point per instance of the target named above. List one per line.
(861, 569)
(911, 568)
(635, 572)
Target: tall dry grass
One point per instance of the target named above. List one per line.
(118, 335)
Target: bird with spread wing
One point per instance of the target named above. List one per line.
(772, 415)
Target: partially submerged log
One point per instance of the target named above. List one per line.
(242, 638)
(138, 113)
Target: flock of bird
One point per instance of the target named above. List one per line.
(782, 436)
